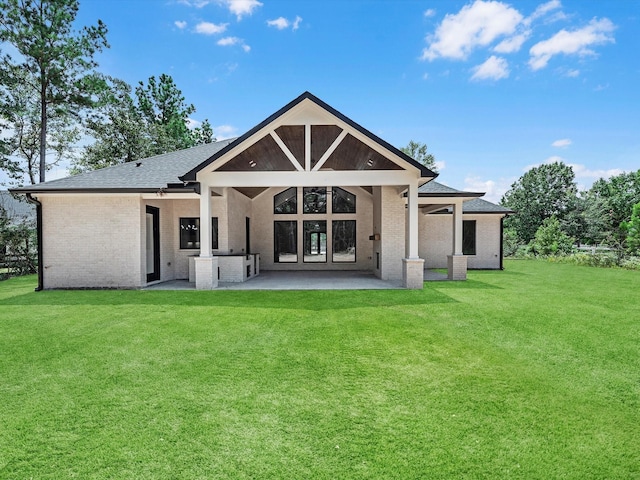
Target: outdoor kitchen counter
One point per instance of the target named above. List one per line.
(232, 267)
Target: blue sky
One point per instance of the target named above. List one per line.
(491, 87)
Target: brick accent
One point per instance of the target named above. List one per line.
(206, 273)
(413, 272)
(457, 267)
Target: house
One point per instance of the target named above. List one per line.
(306, 189)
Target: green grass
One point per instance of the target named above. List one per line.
(533, 372)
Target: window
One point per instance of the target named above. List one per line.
(343, 201)
(315, 241)
(314, 200)
(190, 233)
(285, 242)
(469, 237)
(344, 241)
(286, 201)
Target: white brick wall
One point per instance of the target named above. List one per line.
(389, 221)
(92, 241)
(436, 240)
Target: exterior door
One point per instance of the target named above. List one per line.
(153, 244)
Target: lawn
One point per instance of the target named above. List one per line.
(532, 372)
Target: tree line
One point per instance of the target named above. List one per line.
(553, 218)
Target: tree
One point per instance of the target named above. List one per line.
(21, 110)
(550, 239)
(128, 126)
(542, 192)
(632, 228)
(59, 60)
(418, 151)
(610, 203)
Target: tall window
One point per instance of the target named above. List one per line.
(469, 237)
(344, 241)
(343, 201)
(315, 240)
(190, 233)
(286, 201)
(314, 200)
(285, 242)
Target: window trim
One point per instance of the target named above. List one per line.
(326, 256)
(294, 198)
(276, 254)
(333, 196)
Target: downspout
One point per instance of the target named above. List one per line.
(38, 205)
(501, 243)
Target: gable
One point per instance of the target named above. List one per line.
(308, 135)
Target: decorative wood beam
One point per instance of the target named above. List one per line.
(330, 150)
(286, 151)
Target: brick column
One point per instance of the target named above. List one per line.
(206, 273)
(413, 272)
(457, 267)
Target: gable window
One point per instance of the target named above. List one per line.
(315, 241)
(469, 237)
(285, 242)
(314, 200)
(344, 241)
(286, 201)
(190, 233)
(343, 201)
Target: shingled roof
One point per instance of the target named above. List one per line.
(145, 175)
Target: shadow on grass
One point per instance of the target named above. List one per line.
(315, 300)
(468, 284)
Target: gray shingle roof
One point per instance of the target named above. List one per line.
(437, 187)
(147, 174)
(479, 205)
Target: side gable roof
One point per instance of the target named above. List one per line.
(190, 176)
(144, 175)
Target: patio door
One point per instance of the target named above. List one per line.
(153, 243)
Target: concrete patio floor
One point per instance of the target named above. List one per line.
(309, 280)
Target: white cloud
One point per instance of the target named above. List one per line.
(563, 142)
(475, 25)
(231, 41)
(429, 13)
(572, 73)
(208, 28)
(552, 159)
(192, 123)
(494, 189)
(281, 23)
(576, 42)
(241, 8)
(440, 165)
(222, 132)
(512, 44)
(195, 3)
(582, 172)
(494, 68)
(180, 24)
(542, 10)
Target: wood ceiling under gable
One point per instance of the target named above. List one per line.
(322, 136)
(350, 154)
(263, 156)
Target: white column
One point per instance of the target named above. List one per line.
(205, 221)
(411, 224)
(457, 227)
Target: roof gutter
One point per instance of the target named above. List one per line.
(38, 205)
